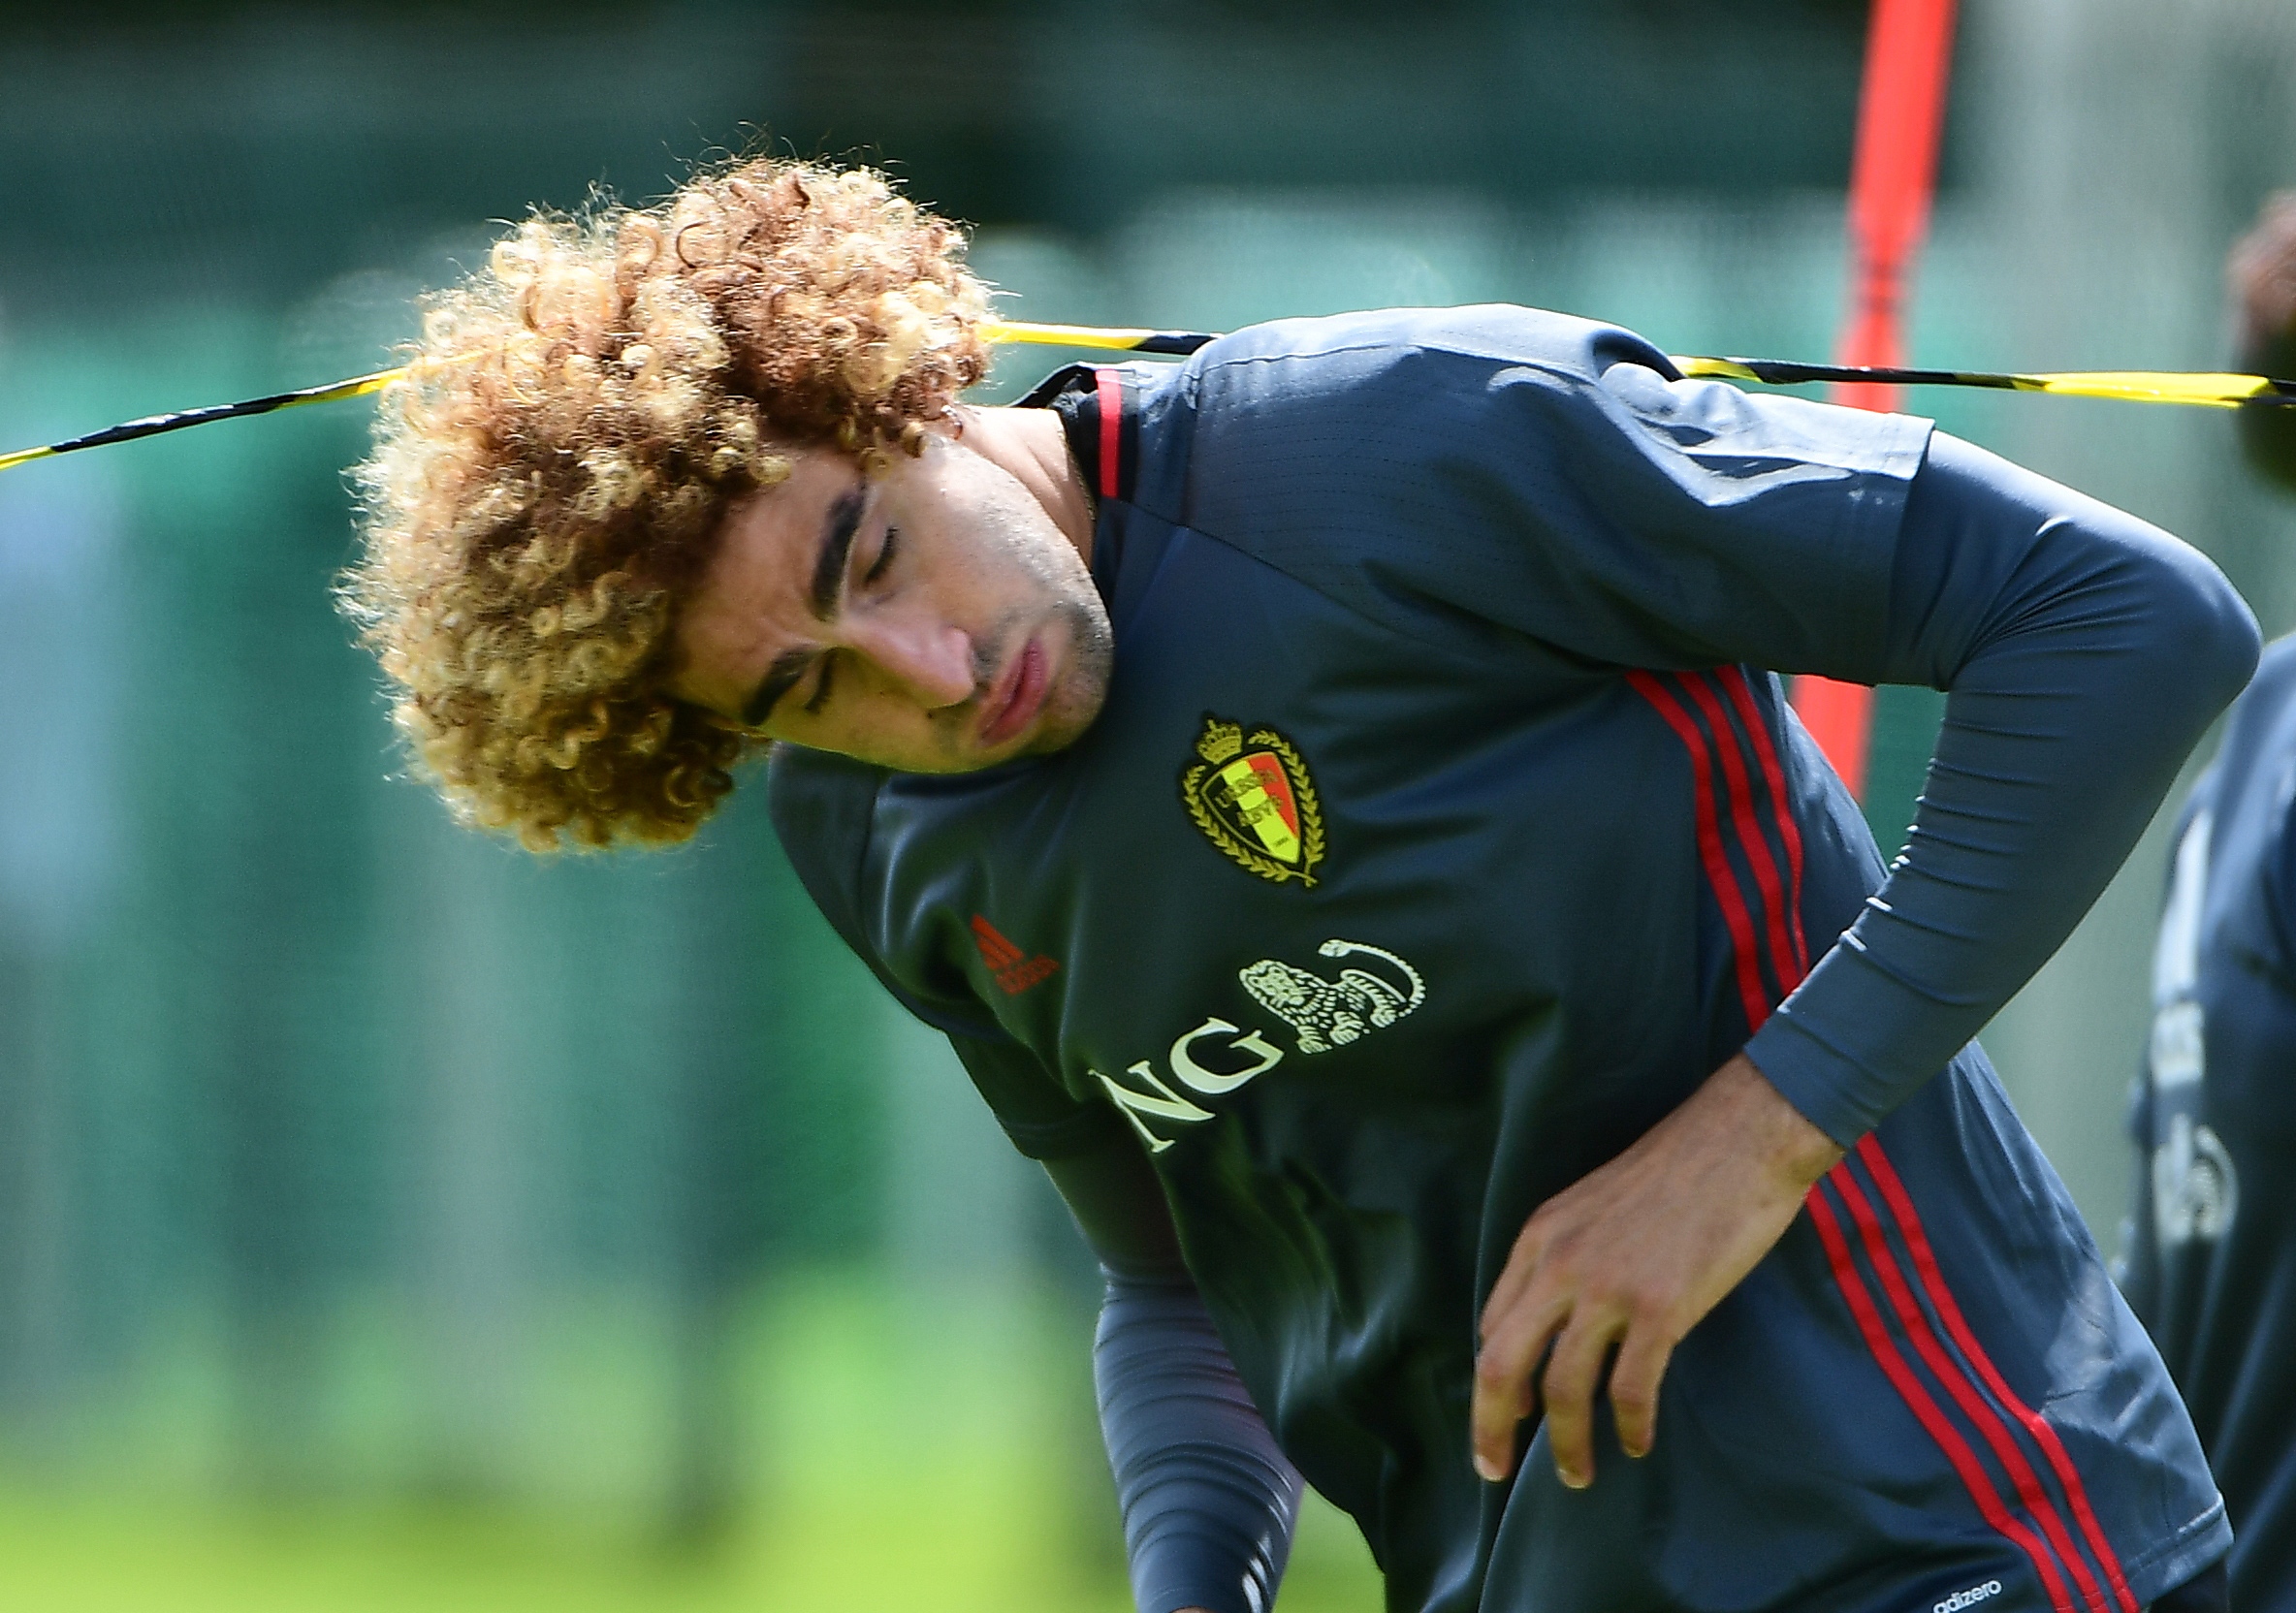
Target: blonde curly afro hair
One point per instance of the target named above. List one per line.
(578, 418)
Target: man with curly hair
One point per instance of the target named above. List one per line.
(1337, 795)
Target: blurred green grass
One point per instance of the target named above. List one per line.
(930, 1452)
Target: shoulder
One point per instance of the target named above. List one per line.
(825, 812)
(2276, 673)
(1398, 352)
(819, 798)
(1499, 391)
(2247, 797)
(1506, 332)
(824, 807)
(1324, 421)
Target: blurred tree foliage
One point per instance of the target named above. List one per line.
(168, 151)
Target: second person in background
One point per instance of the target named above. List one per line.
(2209, 1250)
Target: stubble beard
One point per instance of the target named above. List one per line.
(1037, 551)
(1073, 703)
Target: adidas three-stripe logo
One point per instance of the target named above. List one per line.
(1012, 970)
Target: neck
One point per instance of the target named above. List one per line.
(1030, 445)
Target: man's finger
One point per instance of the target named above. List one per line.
(1502, 1399)
(1634, 1388)
(1523, 1266)
(1512, 1343)
(1568, 1389)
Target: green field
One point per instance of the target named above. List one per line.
(890, 1451)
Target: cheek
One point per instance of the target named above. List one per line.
(713, 668)
(1007, 546)
(878, 727)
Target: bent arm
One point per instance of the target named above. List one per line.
(2084, 651)
(1208, 1500)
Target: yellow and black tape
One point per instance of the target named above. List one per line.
(2206, 389)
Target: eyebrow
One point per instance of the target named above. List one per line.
(839, 527)
(779, 679)
(838, 530)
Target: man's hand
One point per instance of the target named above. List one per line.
(1631, 1257)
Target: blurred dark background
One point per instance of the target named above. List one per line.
(389, 1219)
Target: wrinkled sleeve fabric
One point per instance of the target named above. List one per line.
(2082, 652)
(1208, 1501)
(1497, 470)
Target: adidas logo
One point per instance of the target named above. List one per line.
(1013, 970)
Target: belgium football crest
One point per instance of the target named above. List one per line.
(1254, 799)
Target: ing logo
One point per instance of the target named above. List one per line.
(1218, 1057)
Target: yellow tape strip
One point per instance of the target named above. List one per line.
(2209, 390)
(1718, 369)
(2149, 385)
(1063, 336)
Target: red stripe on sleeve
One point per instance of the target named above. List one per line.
(1108, 388)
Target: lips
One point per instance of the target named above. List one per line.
(1014, 702)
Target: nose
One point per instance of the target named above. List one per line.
(928, 658)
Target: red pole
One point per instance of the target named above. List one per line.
(1900, 113)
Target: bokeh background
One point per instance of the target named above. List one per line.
(389, 1220)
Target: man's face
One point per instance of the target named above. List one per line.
(931, 619)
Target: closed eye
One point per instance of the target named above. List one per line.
(884, 555)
